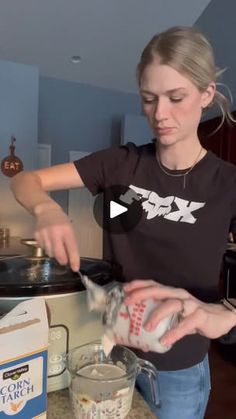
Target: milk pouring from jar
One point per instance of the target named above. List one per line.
(124, 324)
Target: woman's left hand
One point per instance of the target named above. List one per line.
(210, 320)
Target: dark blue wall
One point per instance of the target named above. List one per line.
(74, 116)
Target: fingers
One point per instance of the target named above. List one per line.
(196, 316)
(187, 326)
(196, 321)
(60, 251)
(72, 251)
(138, 283)
(53, 245)
(154, 291)
(60, 242)
(164, 310)
(54, 232)
(47, 246)
(39, 240)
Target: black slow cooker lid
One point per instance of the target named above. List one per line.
(27, 276)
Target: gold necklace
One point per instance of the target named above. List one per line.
(179, 174)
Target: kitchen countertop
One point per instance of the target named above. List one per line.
(59, 406)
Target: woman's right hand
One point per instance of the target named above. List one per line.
(54, 232)
(195, 316)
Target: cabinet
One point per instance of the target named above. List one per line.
(221, 141)
(229, 273)
(231, 144)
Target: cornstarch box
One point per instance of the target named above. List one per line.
(23, 361)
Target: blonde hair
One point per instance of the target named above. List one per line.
(189, 52)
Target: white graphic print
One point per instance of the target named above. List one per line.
(171, 208)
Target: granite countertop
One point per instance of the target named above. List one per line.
(59, 406)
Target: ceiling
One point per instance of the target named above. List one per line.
(109, 35)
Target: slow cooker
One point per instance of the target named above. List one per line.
(71, 324)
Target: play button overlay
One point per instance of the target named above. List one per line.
(118, 209)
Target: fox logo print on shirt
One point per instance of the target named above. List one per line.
(171, 207)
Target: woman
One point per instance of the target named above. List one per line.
(185, 193)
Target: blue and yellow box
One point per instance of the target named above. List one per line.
(23, 361)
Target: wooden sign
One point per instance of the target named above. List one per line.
(11, 165)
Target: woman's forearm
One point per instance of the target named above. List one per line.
(28, 191)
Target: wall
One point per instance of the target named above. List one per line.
(79, 117)
(74, 116)
(19, 117)
(218, 22)
(135, 128)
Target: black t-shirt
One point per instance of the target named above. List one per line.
(182, 235)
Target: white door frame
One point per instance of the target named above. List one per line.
(44, 154)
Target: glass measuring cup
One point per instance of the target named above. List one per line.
(102, 387)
